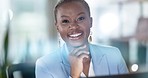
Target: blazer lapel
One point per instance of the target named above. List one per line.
(66, 69)
(99, 60)
(65, 63)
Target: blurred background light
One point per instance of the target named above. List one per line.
(108, 22)
(134, 67)
(10, 12)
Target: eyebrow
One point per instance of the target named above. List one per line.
(77, 14)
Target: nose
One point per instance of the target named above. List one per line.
(73, 25)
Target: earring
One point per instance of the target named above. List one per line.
(59, 42)
(90, 37)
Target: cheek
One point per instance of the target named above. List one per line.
(86, 27)
(62, 32)
(87, 24)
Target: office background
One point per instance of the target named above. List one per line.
(27, 30)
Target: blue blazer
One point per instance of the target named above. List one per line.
(106, 61)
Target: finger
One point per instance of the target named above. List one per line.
(83, 56)
(81, 52)
(77, 50)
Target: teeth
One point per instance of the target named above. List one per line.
(76, 35)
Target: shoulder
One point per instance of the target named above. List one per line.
(49, 65)
(50, 59)
(112, 56)
(105, 49)
(112, 53)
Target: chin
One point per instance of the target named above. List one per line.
(77, 44)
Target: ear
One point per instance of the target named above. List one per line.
(91, 21)
(56, 25)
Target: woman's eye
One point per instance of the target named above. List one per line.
(80, 18)
(65, 21)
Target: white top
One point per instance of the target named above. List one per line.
(90, 72)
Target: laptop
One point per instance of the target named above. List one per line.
(133, 75)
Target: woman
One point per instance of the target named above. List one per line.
(77, 57)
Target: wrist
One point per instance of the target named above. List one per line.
(75, 77)
(75, 73)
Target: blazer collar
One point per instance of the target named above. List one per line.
(65, 63)
(99, 59)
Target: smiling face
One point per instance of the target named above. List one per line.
(73, 23)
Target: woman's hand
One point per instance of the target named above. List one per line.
(76, 61)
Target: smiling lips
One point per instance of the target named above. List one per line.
(75, 35)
